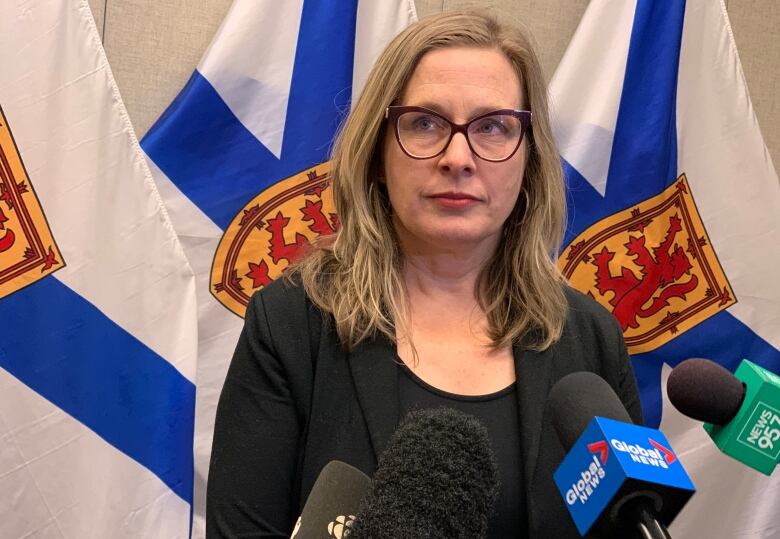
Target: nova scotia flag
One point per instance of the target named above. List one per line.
(240, 157)
(98, 320)
(674, 221)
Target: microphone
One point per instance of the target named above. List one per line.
(436, 479)
(741, 411)
(617, 479)
(332, 503)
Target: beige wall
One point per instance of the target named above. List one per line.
(154, 45)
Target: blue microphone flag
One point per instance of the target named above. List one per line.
(613, 458)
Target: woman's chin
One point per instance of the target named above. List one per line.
(457, 241)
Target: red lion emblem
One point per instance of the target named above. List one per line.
(661, 278)
(652, 266)
(270, 233)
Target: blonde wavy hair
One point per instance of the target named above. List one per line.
(356, 275)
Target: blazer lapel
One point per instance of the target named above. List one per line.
(533, 371)
(375, 374)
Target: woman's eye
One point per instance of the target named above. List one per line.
(425, 123)
(491, 127)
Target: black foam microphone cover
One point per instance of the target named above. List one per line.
(332, 503)
(437, 478)
(703, 390)
(576, 399)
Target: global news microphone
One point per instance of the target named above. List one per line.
(440, 288)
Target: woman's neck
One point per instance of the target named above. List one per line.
(450, 346)
(436, 269)
(441, 274)
(441, 288)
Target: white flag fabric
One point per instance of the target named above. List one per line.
(97, 301)
(240, 157)
(674, 221)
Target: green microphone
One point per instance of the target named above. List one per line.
(741, 411)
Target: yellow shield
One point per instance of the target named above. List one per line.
(652, 266)
(271, 231)
(28, 251)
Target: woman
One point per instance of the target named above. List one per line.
(440, 288)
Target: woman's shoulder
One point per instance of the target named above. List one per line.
(584, 306)
(284, 295)
(588, 320)
(593, 340)
(283, 313)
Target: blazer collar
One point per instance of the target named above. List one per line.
(534, 374)
(375, 374)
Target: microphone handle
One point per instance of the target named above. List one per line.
(647, 524)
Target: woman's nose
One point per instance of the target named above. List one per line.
(458, 156)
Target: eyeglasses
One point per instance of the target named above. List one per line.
(423, 133)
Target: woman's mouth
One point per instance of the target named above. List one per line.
(454, 200)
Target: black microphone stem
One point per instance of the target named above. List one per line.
(648, 526)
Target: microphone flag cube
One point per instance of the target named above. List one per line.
(613, 463)
(753, 435)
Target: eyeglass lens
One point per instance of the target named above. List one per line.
(493, 137)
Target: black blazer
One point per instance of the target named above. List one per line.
(294, 400)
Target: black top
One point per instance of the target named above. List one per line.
(498, 412)
(295, 399)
